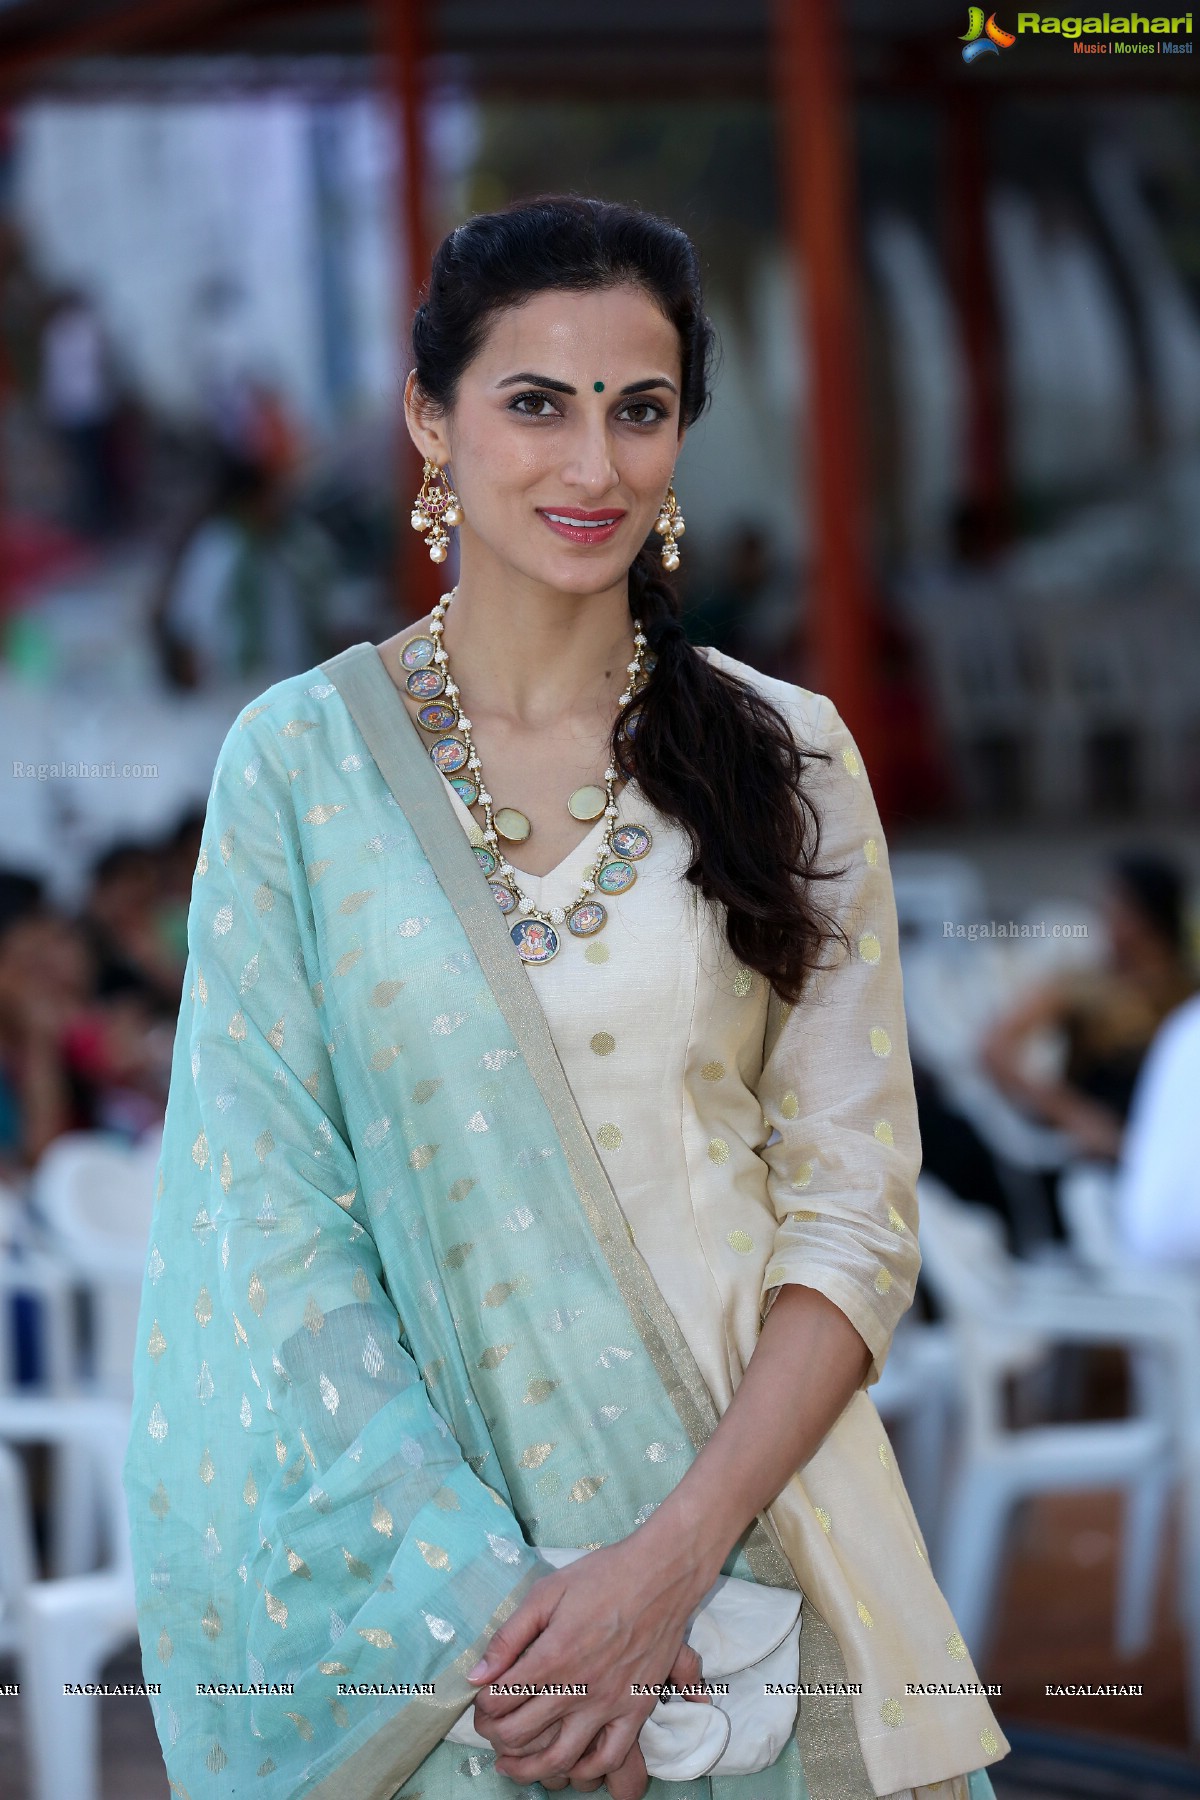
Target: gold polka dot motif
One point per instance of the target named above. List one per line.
(883, 1131)
(610, 1137)
(718, 1151)
(603, 1043)
(789, 1106)
(713, 1071)
(741, 1241)
(891, 1712)
(956, 1647)
(881, 1043)
(869, 947)
(596, 953)
(743, 983)
(871, 851)
(989, 1740)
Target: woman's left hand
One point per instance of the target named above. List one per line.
(604, 1623)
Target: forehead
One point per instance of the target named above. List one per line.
(577, 336)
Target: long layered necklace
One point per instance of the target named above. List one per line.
(612, 870)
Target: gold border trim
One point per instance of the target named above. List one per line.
(825, 1730)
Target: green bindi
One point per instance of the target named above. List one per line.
(598, 387)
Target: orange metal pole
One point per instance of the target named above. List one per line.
(816, 157)
(417, 581)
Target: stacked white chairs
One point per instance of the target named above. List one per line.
(991, 1303)
(93, 1197)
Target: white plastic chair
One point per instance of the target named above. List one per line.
(987, 1298)
(95, 1196)
(917, 1396)
(64, 1630)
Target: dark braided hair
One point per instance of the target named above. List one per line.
(707, 749)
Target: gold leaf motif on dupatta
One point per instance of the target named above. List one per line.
(277, 1612)
(434, 1555)
(355, 902)
(297, 1564)
(586, 1488)
(160, 1504)
(539, 1389)
(494, 1355)
(356, 1566)
(374, 1634)
(156, 1343)
(381, 1518)
(210, 1624)
(534, 1455)
(384, 992)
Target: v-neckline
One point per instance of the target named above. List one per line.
(467, 818)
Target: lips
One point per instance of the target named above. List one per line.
(581, 525)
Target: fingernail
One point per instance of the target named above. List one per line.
(478, 1672)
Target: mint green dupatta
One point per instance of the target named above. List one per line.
(394, 1331)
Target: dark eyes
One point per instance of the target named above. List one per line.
(538, 405)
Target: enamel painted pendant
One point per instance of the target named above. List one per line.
(536, 941)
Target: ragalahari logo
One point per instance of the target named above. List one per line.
(982, 39)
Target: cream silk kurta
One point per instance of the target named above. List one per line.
(751, 1145)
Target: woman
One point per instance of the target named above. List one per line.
(1107, 1015)
(566, 1201)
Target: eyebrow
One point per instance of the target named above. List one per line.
(563, 387)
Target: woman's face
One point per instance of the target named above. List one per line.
(563, 437)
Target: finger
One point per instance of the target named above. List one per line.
(500, 1736)
(518, 1632)
(630, 1781)
(610, 1748)
(687, 1671)
(515, 1718)
(562, 1756)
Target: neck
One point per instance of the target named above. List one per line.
(532, 653)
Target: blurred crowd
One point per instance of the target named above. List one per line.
(89, 999)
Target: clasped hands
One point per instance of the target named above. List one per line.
(608, 1621)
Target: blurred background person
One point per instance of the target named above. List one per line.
(79, 397)
(1108, 1015)
(247, 597)
(1158, 1183)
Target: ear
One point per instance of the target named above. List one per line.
(426, 427)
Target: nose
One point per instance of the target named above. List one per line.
(591, 467)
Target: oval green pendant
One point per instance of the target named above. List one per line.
(512, 824)
(587, 802)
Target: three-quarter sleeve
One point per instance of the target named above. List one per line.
(837, 1084)
(302, 1518)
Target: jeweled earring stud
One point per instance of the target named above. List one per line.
(435, 508)
(670, 526)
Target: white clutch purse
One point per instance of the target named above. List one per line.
(747, 1637)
